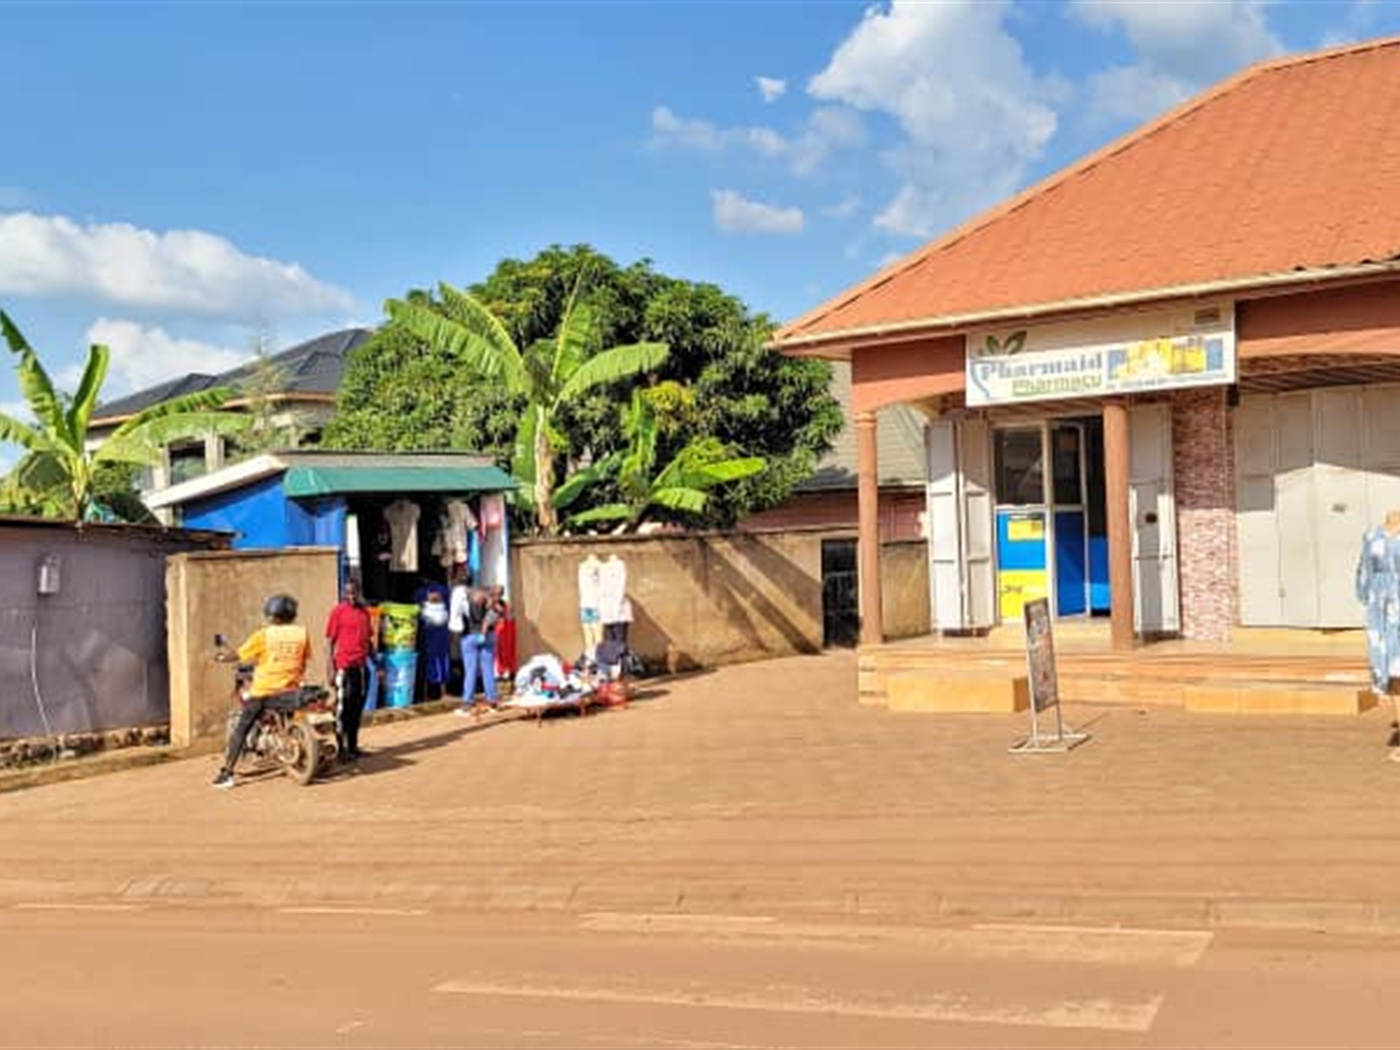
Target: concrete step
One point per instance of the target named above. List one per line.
(957, 691)
(995, 688)
(1277, 698)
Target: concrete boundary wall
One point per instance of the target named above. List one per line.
(91, 655)
(707, 598)
(223, 593)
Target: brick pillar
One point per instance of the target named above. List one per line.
(1204, 468)
(872, 626)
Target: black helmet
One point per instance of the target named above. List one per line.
(280, 608)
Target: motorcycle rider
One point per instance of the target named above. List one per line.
(279, 652)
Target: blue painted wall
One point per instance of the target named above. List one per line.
(261, 515)
(257, 513)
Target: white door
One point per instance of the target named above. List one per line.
(979, 518)
(1340, 512)
(1380, 451)
(1152, 505)
(1314, 469)
(961, 584)
(944, 528)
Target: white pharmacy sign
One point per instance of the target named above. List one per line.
(1125, 354)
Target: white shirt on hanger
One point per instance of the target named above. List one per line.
(402, 516)
(457, 520)
(590, 583)
(612, 589)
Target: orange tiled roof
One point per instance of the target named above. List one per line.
(1291, 165)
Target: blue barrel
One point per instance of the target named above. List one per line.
(400, 670)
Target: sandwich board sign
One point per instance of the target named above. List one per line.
(1043, 677)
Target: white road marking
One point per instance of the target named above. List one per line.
(1127, 946)
(57, 906)
(352, 911)
(1104, 1014)
(1112, 944)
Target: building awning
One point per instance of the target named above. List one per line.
(301, 481)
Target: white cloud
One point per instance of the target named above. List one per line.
(843, 209)
(770, 88)
(973, 114)
(668, 129)
(180, 271)
(826, 130)
(144, 356)
(1135, 93)
(737, 214)
(1181, 49)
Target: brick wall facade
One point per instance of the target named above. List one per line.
(1204, 465)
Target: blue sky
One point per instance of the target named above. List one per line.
(178, 180)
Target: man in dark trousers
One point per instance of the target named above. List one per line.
(351, 637)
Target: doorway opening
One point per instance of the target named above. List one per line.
(1051, 517)
(840, 595)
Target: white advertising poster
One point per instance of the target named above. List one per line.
(1124, 354)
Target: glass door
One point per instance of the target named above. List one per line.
(1069, 514)
(1043, 518)
(1022, 548)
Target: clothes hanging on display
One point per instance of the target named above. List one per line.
(352, 543)
(1378, 586)
(612, 588)
(402, 516)
(492, 556)
(493, 511)
(454, 526)
(616, 630)
(613, 605)
(590, 593)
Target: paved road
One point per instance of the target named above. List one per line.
(153, 976)
(765, 789)
(743, 857)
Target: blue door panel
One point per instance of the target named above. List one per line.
(1071, 570)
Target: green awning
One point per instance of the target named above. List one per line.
(326, 481)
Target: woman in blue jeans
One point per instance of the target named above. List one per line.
(473, 609)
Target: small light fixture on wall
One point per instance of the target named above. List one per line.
(49, 574)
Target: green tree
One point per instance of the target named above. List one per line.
(545, 375)
(114, 488)
(753, 401)
(402, 393)
(58, 475)
(679, 489)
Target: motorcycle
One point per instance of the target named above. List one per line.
(296, 729)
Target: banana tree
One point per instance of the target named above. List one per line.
(681, 486)
(55, 476)
(547, 375)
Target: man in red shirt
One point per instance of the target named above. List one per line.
(351, 638)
